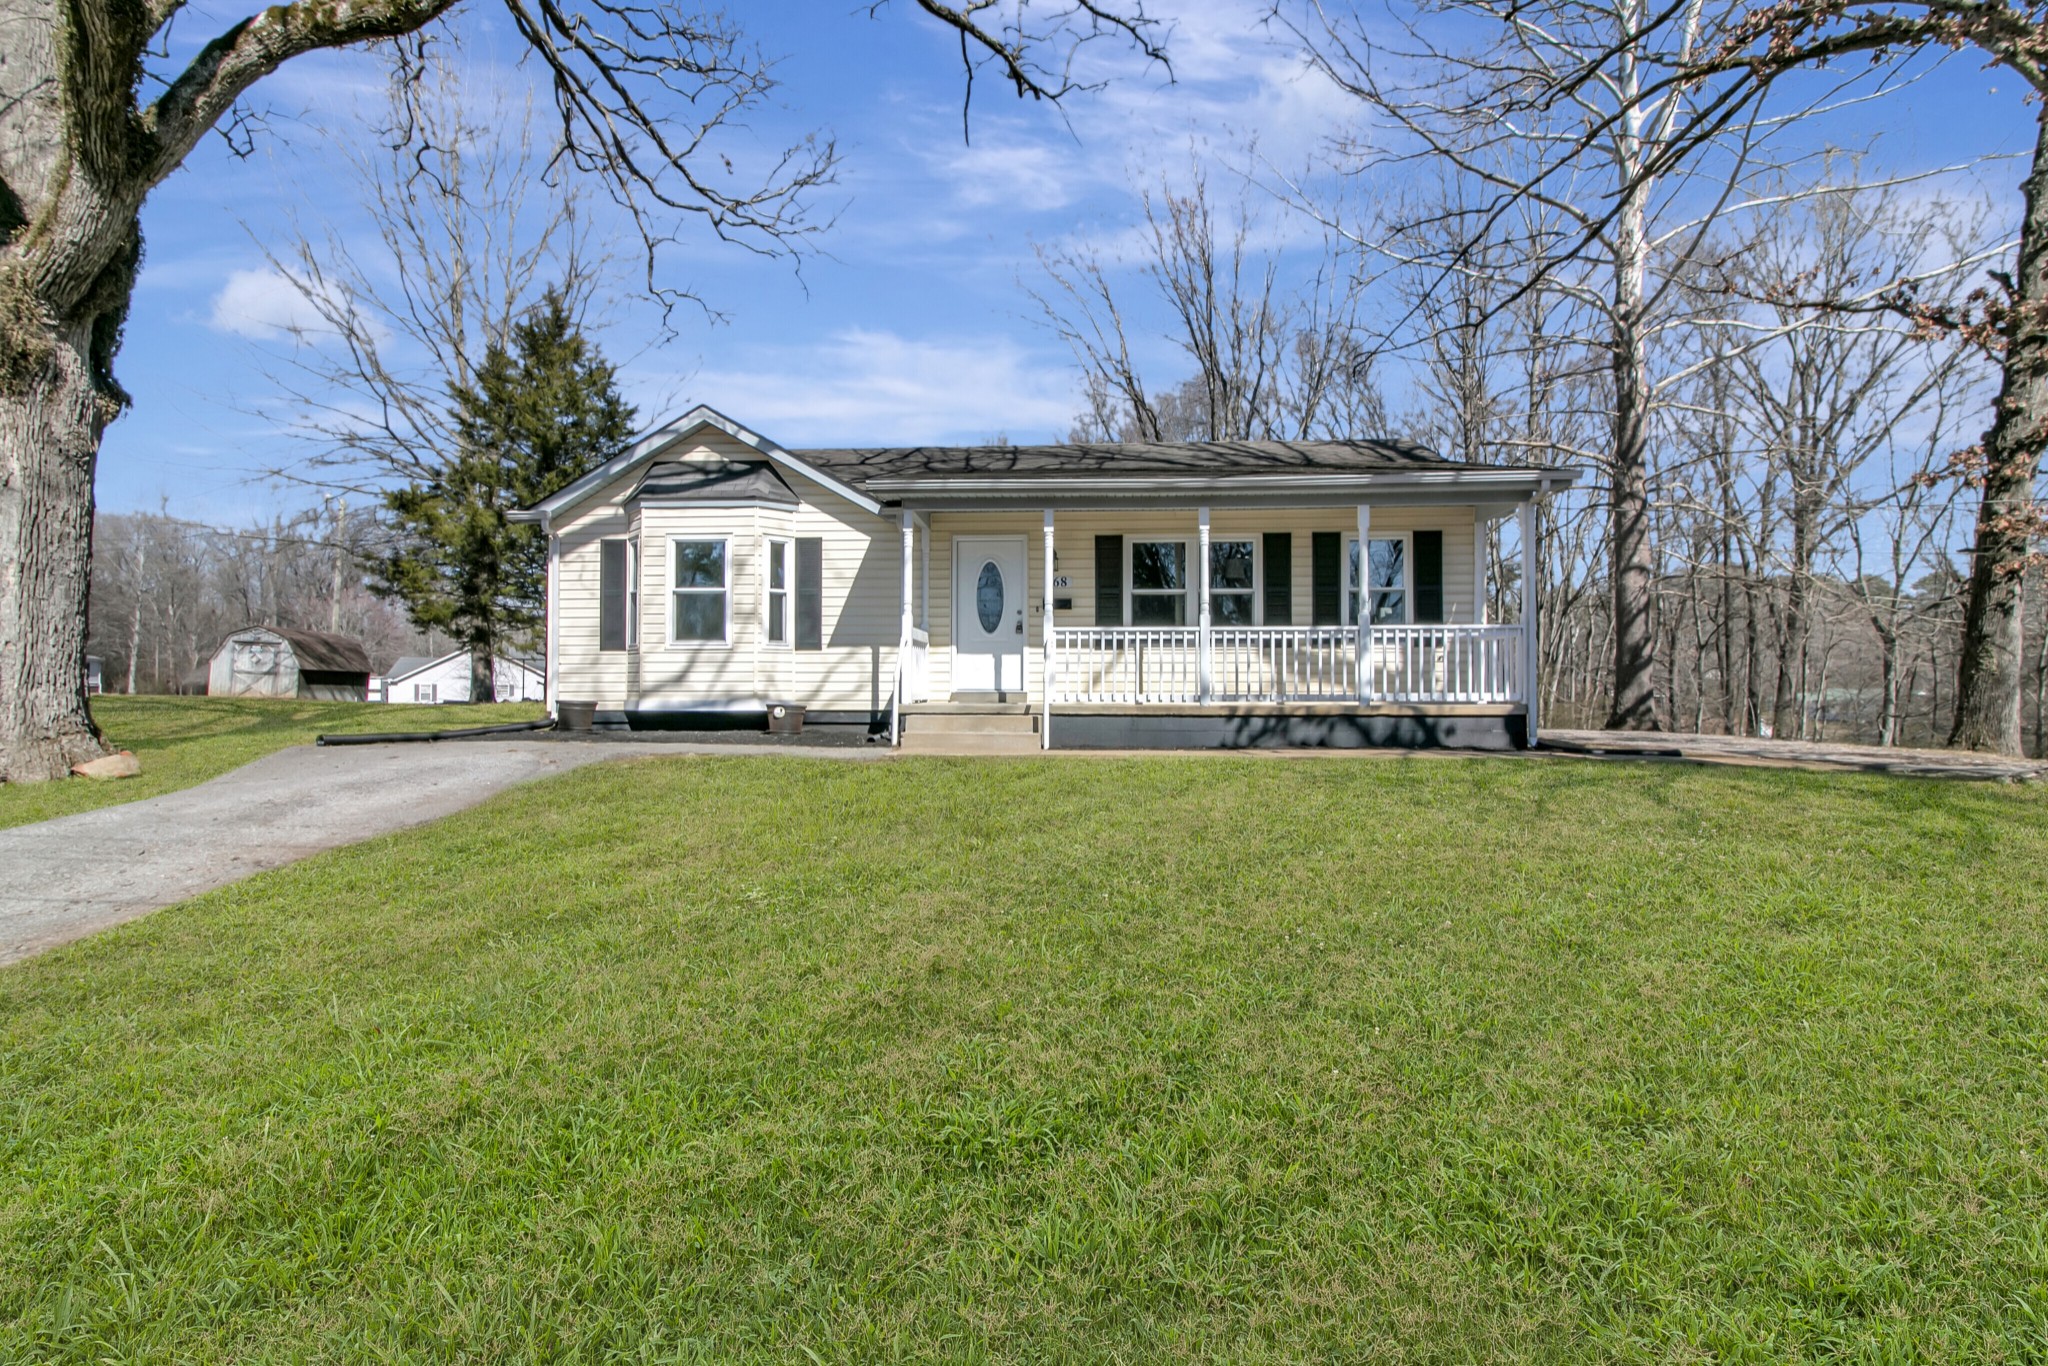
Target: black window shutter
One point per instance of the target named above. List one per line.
(1429, 576)
(1326, 571)
(611, 595)
(1279, 551)
(810, 593)
(1109, 580)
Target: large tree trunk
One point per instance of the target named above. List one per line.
(1988, 676)
(1888, 662)
(483, 685)
(1632, 569)
(51, 417)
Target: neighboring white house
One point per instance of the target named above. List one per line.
(417, 678)
(1077, 595)
(276, 661)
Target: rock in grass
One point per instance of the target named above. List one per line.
(122, 765)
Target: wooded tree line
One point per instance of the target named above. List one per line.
(166, 591)
(1807, 528)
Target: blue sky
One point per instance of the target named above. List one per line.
(910, 325)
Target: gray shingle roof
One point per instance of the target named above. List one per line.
(1210, 459)
(729, 482)
(409, 664)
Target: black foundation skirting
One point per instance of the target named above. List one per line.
(1127, 731)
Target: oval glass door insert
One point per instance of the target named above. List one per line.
(988, 598)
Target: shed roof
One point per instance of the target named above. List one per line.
(319, 651)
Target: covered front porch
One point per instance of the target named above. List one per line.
(1202, 627)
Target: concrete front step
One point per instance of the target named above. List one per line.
(940, 742)
(970, 723)
(965, 706)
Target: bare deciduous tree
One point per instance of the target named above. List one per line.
(97, 117)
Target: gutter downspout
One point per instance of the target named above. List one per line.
(547, 529)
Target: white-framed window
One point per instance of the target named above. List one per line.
(700, 591)
(775, 592)
(424, 692)
(1234, 583)
(1158, 579)
(1387, 560)
(633, 593)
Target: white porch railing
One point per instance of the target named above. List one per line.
(1446, 664)
(1407, 664)
(1284, 664)
(1127, 664)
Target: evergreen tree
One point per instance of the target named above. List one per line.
(540, 413)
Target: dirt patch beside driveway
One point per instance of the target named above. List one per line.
(64, 879)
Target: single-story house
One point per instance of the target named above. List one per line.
(278, 661)
(1161, 595)
(420, 678)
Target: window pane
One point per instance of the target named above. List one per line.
(988, 598)
(1388, 567)
(1389, 607)
(700, 616)
(778, 611)
(1230, 566)
(1159, 609)
(700, 564)
(1231, 609)
(1158, 564)
(778, 564)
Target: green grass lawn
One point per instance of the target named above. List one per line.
(186, 740)
(1116, 1060)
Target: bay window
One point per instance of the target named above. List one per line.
(700, 599)
(776, 585)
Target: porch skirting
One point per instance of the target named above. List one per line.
(1290, 726)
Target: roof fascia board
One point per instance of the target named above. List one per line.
(1118, 486)
(759, 503)
(1488, 497)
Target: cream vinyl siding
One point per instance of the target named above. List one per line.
(583, 673)
(862, 583)
(863, 608)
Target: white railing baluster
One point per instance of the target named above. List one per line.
(1405, 664)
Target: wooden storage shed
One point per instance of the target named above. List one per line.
(277, 661)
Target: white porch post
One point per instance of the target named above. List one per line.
(1364, 603)
(1048, 669)
(1204, 659)
(908, 624)
(924, 597)
(1479, 534)
(1525, 517)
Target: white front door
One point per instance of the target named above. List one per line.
(989, 613)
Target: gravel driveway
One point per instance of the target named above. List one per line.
(64, 879)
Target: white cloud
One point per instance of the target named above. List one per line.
(263, 305)
(863, 387)
(1030, 175)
